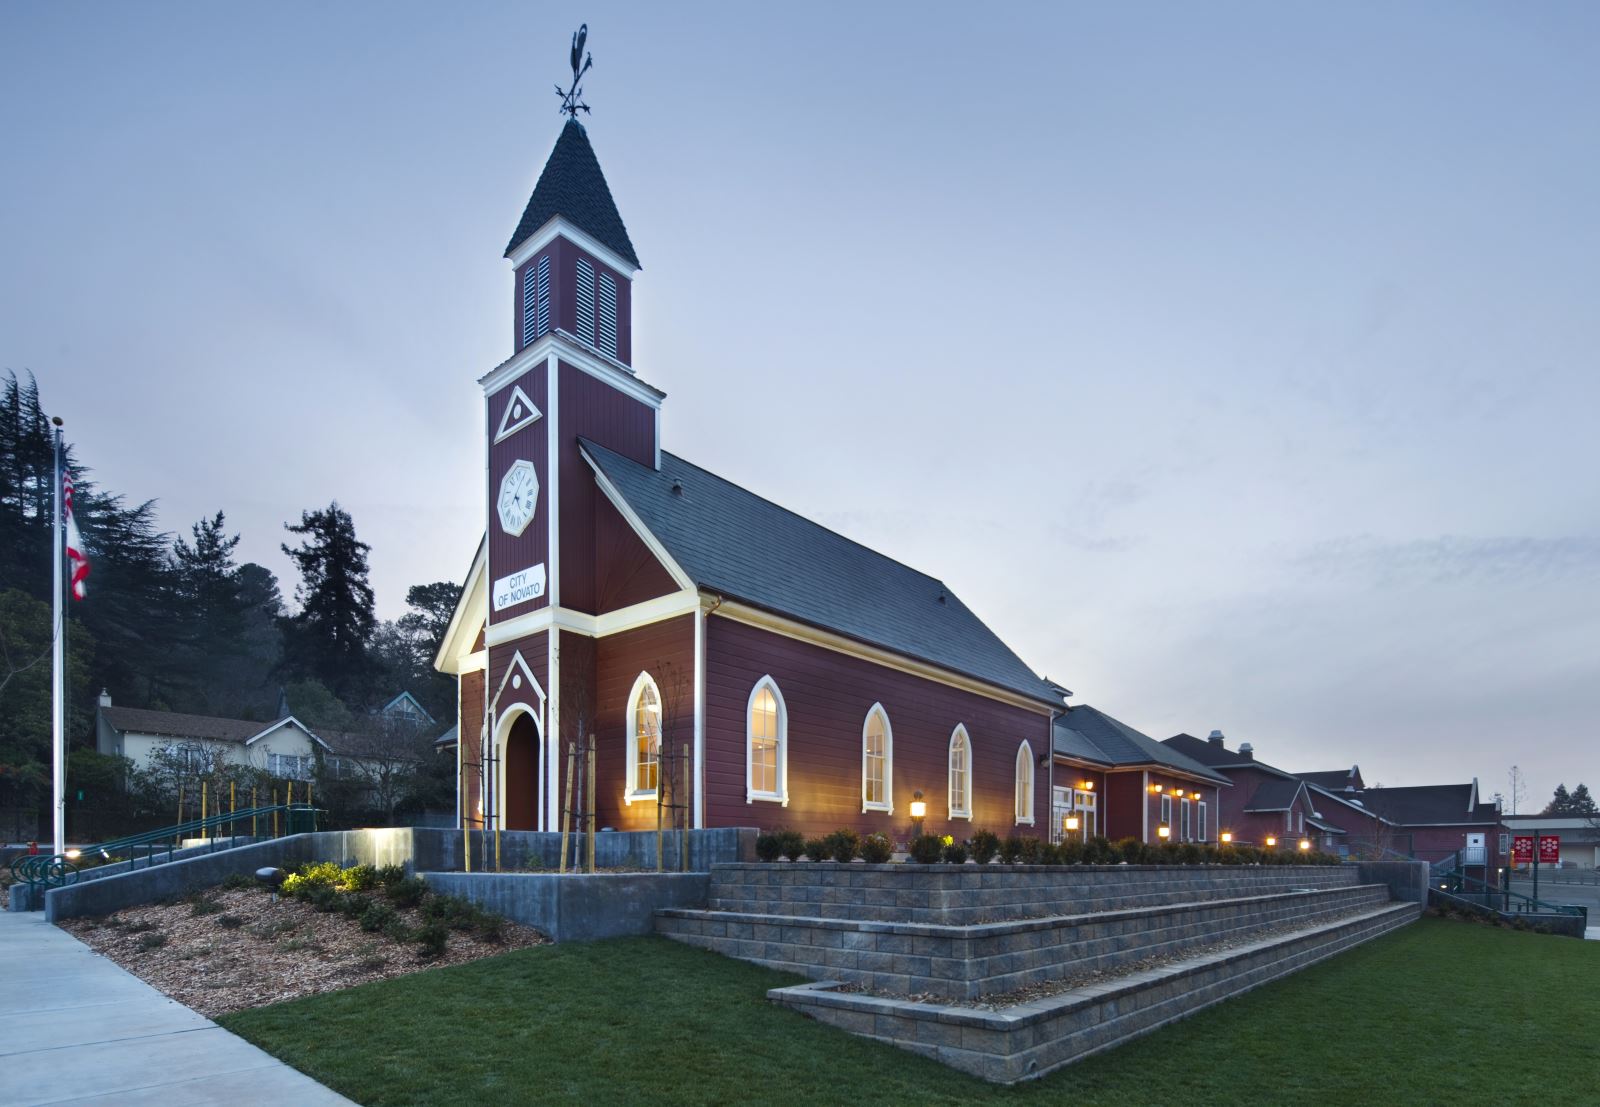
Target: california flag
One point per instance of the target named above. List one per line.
(77, 558)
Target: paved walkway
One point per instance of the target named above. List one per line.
(76, 1028)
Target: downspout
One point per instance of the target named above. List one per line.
(701, 620)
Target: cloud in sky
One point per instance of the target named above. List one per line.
(1236, 364)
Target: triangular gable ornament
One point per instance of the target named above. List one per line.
(519, 412)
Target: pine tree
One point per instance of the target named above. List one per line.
(231, 640)
(1581, 803)
(327, 639)
(1560, 803)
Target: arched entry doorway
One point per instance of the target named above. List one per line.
(522, 774)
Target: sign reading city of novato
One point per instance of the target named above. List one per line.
(519, 587)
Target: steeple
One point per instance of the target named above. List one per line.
(573, 187)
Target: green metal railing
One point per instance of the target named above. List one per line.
(59, 869)
(1470, 887)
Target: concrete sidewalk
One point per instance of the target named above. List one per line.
(76, 1028)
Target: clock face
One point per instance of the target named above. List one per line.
(519, 496)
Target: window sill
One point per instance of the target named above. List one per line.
(877, 809)
(1025, 822)
(766, 797)
(960, 815)
(628, 798)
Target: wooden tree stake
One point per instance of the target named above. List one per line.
(566, 802)
(589, 787)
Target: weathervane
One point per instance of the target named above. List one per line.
(570, 102)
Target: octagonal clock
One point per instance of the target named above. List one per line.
(519, 496)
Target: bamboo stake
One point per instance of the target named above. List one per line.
(254, 806)
(589, 836)
(661, 798)
(566, 804)
(683, 799)
(274, 811)
(203, 834)
(180, 803)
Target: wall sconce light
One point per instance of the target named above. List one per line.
(1305, 844)
(919, 810)
(1272, 841)
(1163, 832)
(1194, 795)
(1227, 836)
(1087, 785)
(1156, 788)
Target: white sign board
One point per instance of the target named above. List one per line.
(519, 587)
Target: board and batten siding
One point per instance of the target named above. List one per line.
(512, 553)
(827, 695)
(666, 651)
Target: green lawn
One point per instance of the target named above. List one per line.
(1440, 1012)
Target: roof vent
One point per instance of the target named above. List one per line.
(1215, 737)
(105, 698)
(677, 488)
(1247, 751)
(941, 595)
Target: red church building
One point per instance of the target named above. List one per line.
(624, 592)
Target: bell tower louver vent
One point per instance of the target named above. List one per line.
(585, 301)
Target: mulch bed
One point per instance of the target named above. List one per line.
(276, 951)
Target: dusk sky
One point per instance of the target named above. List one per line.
(1235, 362)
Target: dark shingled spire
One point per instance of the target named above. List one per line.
(572, 186)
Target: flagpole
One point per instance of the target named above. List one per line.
(58, 668)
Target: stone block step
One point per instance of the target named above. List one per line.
(965, 962)
(951, 894)
(1030, 1039)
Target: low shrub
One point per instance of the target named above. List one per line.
(432, 939)
(1010, 850)
(322, 899)
(205, 905)
(239, 882)
(307, 878)
(817, 849)
(396, 930)
(1070, 852)
(1049, 853)
(359, 878)
(955, 853)
(843, 845)
(376, 917)
(407, 892)
(152, 940)
(1133, 851)
(491, 927)
(926, 849)
(768, 848)
(791, 843)
(1032, 850)
(354, 906)
(230, 922)
(1190, 854)
(386, 875)
(984, 844)
(876, 849)
(456, 912)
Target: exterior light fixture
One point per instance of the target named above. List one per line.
(73, 854)
(1164, 831)
(1227, 836)
(1194, 795)
(1271, 841)
(919, 810)
(1305, 844)
(1072, 822)
(1156, 788)
(1088, 786)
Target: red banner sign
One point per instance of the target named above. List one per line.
(1522, 849)
(1549, 849)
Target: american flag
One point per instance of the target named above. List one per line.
(76, 556)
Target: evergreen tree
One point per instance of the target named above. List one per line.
(407, 646)
(1581, 803)
(327, 639)
(1560, 803)
(227, 623)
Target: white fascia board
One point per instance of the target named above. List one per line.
(804, 632)
(670, 606)
(559, 227)
(283, 722)
(472, 609)
(580, 356)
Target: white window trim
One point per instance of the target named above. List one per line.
(1203, 828)
(949, 778)
(887, 806)
(1024, 764)
(1166, 815)
(1187, 807)
(750, 793)
(630, 793)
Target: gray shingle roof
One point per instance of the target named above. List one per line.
(1274, 795)
(572, 186)
(731, 541)
(1335, 780)
(1090, 734)
(173, 724)
(1431, 804)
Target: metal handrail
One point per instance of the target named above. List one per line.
(1458, 882)
(58, 869)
